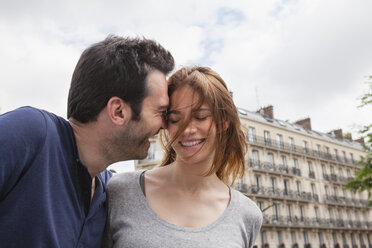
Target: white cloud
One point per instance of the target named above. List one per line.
(307, 58)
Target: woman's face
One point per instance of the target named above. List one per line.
(197, 142)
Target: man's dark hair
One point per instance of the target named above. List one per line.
(116, 66)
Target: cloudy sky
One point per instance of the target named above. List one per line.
(306, 58)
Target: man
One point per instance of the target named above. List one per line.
(52, 171)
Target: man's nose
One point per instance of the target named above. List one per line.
(164, 124)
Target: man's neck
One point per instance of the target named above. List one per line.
(87, 142)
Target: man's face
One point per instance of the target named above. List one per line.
(137, 133)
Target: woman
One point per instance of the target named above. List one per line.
(186, 201)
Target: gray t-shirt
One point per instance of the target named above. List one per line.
(131, 223)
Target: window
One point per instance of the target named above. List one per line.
(279, 141)
(276, 212)
(255, 161)
(263, 238)
(352, 158)
(286, 187)
(267, 138)
(327, 151)
(321, 239)
(291, 144)
(260, 205)
(311, 171)
(301, 213)
(306, 237)
(298, 184)
(280, 236)
(324, 172)
(293, 237)
(306, 149)
(258, 182)
(295, 163)
(313, 191)
(284, 161)
(334, 236)
(284, 167)
(295, 169)
(289, 210)
(336, 154)
(252, 134)
(338, 212)
(240, 182)
(352, 239)
(318, 150)
(344, 242)
(316, 212)
(340, 172)
(344, 156)
(348, 215)
(335, 191)
(361, 240)
(356, 216)
(326, 190)
(273, 185)
(270, 160)
(330, 214)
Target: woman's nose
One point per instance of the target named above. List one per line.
(190, 128)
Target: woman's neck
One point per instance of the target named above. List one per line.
(193, 177)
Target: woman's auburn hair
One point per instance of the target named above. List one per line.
(230, 146)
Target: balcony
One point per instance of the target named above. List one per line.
(281, 193)
(283, 146)
(270, 167)
(341, 200)
(296, 171)
(306, 222)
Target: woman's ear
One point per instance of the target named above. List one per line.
(119, 112)
(226, 125)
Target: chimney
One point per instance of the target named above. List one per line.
(306, 123)
(360, 140)
(337, 133)
(268, 111)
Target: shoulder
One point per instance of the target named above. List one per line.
(123, 181)
(247, 207)
(24, 128)
(27, 121)
(29, 117)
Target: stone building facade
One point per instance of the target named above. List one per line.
(297, 176)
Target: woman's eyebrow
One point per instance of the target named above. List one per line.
(202, 109)
(174, 112)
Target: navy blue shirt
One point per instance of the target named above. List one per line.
(45, 190)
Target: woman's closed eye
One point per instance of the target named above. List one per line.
(201, 117)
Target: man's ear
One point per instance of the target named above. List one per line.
(119, 112)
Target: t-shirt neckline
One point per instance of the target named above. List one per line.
(156, 217)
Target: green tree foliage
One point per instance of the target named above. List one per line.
(363, 177)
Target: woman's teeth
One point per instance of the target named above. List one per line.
(191, 143)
